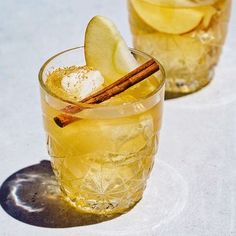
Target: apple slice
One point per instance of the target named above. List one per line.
(168, 20)
(106, 51)
(208, 13)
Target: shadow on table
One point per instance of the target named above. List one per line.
(31, 195)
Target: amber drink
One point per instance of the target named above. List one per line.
(103, 159)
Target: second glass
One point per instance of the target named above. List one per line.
(185, 35)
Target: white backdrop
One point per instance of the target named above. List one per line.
(197, 148)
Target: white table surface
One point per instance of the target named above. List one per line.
(197, 139)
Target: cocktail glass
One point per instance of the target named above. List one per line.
(103, 160)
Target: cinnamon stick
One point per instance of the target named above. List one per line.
(132, 78)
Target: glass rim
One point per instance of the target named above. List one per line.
(42, 84)
(179, 5)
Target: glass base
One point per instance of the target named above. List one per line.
(178, 87)
(103, 206)
(32, 196)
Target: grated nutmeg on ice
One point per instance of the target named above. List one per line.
(83, 82)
